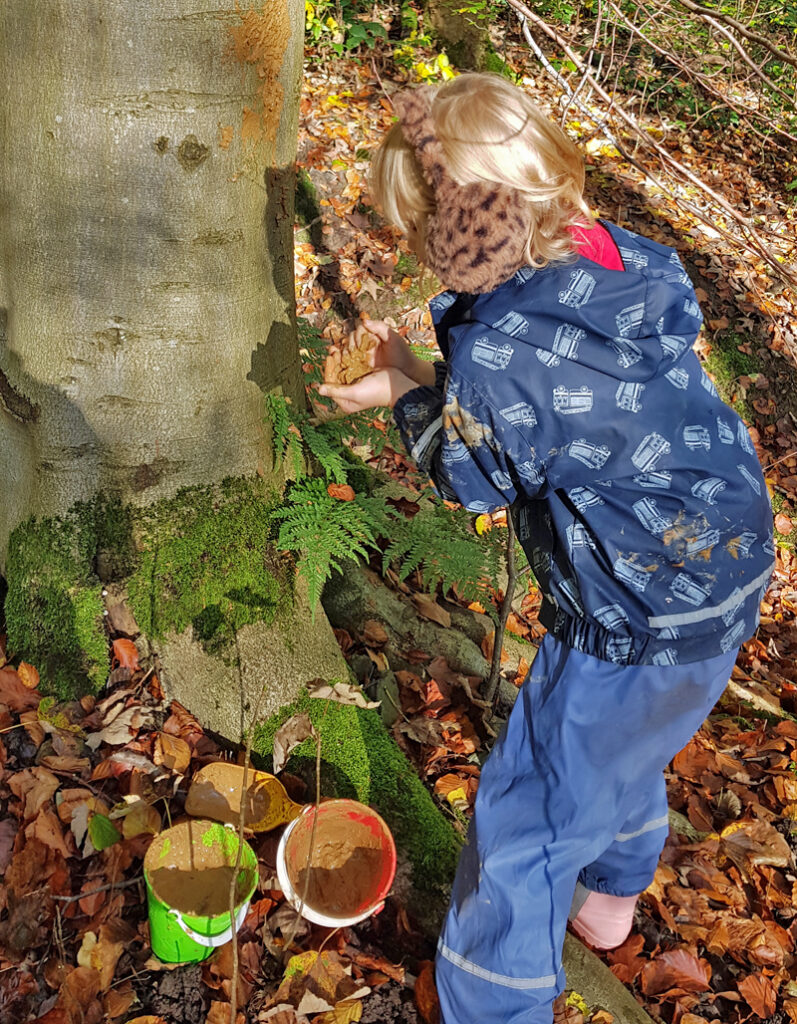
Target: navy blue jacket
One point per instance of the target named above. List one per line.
(572, 394)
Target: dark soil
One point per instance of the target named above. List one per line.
(390, 1004)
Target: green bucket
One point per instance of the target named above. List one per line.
(187, 870)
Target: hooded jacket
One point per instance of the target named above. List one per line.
(573, 395)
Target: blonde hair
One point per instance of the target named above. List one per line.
(490, 131)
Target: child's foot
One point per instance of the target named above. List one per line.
(605, 921)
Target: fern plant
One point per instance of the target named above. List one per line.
(438, 543)
(324, 530)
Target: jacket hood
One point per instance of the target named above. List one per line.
(570, 311)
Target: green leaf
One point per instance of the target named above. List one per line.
(102, 832)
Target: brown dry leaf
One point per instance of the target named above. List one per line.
(689, 1018)
(28, 675)
(604, 1017)
(138, 817)
(626, 963)
(296, 730)
(341, 492)
(379, 658)
(33, 726)
(426, 998)
(790, 1007)
(172, 752)
(78, 992)
(750, 843)
(149, 1019)
(342, 693)
(102, 953)
(447, 784)
(350, 359)
(374, 633)
(430, 609)
(118, 1001)
(8, 831)
(677, 968)
(13, 692)
(47, 829)
(783, 525)
(34, 787)
(759, 993)
(426, 731)
(219, 1013)
(120, 726)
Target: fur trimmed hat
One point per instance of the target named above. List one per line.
(476, 238)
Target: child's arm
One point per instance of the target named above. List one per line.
(393, 351)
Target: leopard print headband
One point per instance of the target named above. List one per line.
(476, 238)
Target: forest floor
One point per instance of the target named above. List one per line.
(715, 934)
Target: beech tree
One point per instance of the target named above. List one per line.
(146, 274)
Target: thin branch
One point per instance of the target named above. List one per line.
(750, 237)
(491, 690)
(742, 29)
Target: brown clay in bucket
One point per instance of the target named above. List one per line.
(346, 866)
(190, 875)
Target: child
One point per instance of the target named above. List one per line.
(570, 393)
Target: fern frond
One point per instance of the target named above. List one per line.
(324, 531)
(323, 443)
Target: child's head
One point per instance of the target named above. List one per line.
(489, 132)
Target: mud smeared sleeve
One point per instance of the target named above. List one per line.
(467, 449)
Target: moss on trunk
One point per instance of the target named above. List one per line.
(203, 559)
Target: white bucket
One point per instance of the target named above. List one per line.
(374, 871)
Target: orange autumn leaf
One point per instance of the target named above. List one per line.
(426, 998)
(759, 993)
(342, 492)
(783, 524)
(677, 968)
(125, 654)
(29, 675)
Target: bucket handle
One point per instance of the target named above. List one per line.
(212, 940)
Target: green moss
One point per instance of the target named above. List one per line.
(204, 558)
(54, 603)
(492, 62)
(205, 562)
(727, 364)
(361, 761)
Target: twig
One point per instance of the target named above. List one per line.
(742, 29)
(101, 888)
(491, 691)
(311, 847)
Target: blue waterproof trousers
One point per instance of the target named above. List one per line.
(571, 797)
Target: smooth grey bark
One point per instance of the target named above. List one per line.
(146, 277)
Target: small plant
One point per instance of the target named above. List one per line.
(339, 27)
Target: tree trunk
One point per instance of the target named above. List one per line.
(146, 284)
(146, 304)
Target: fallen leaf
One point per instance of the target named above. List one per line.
(426, 731)
(47, 829)
(431, 610)
(342, 492)
(138, 817)
(8, 831)
(219, 1013)
(759, 993)
(125, 654)
(172, 752)
(750, 843)
(28, 675)
(604, 1017)
(426, 998)
(342, 693)
(783, 525)
(344, 1013)
(676, 968)
(13, 692)
(374, 633)
(290, 734)
(34, 787)
(102, 832)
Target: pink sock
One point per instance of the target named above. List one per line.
(605, 921)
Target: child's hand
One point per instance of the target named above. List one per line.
(382, 387)
(393, 351)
